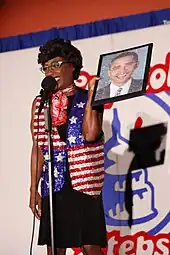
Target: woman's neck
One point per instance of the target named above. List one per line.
(69, 90)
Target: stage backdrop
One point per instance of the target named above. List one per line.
(20, 80)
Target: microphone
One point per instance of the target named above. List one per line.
(49, 86)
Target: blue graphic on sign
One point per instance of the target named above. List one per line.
(113, 197)
(113, 192)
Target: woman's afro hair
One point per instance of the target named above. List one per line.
(61, 48)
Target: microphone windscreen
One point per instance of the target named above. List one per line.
(49, 83)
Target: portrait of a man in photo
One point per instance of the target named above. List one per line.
(121, 80)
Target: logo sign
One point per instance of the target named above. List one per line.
(150, 204)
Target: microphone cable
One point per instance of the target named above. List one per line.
(36, 189)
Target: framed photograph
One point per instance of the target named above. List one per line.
(123, 74)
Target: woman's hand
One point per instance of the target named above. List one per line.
(35, 203)
(91, 86)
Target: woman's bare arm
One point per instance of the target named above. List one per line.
(37, 162)
(36, 151)
(92, 122)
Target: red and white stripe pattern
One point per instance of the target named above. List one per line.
(39, 129)
(87, 168)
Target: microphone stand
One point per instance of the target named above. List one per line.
(50, 174)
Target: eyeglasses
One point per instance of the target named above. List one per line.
(54, 65)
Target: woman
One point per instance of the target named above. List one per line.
(78, 157)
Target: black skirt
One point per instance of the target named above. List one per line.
(78, 220)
